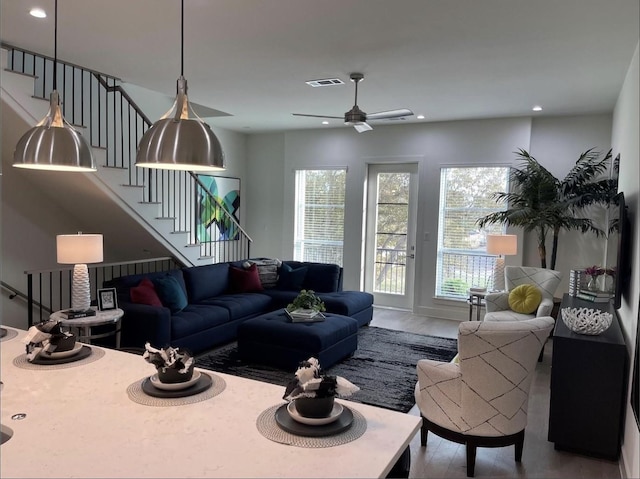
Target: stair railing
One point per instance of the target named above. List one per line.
(114, 122)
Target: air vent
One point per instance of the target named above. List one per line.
(325, 82)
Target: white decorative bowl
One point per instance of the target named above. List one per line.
(586, 320)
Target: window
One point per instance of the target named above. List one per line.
(465, 196)
(319, 215)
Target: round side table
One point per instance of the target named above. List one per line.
(84, 325)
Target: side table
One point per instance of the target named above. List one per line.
(84, 325)
(475, 300)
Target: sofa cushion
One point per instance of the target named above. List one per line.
(347, 303)
(171, 293)
(290, 279)
(145, 293)
(525, 298)
(206, 281)
(320, 277)
(196, 318)
(244, 280)
(243, 305)
(267, 271)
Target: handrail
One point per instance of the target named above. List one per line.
(103, 265)
(115, 122)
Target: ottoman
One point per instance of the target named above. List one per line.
(273, 339)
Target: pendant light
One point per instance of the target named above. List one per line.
(177, 142)
(53, 144)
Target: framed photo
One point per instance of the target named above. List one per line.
(107, 299)
(212, 224)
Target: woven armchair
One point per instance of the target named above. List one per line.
(482, 400)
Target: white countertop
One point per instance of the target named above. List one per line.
(80, 422)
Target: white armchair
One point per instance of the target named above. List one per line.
(547, 281)
(482, 400)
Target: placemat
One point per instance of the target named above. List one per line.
(23, 363)
(136, 394)
(10, 334)
(268, 427)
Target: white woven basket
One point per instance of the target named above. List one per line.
(586, 320)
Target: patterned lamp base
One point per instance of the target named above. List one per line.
(80, 288)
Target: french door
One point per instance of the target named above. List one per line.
(390, 233)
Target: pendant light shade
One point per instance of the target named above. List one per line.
(176, 141)
(53, 144)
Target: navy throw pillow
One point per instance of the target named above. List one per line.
(171, 293)
(291, 279)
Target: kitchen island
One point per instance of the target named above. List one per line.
(79, 421)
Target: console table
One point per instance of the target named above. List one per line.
(588, 386)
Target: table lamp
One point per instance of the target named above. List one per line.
(79, 250)
(501, 245)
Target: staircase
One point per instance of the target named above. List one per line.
(174, 206)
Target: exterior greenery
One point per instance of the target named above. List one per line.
(541, 203)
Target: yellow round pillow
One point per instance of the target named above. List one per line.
(525, 298)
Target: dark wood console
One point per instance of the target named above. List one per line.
(588, 386)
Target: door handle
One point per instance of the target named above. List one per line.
(412, 256)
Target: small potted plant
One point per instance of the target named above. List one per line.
(593, 271)
(307, 300)
(314, 391)
(173, 366)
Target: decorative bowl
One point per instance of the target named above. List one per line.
(586, 320)
(314, 407)
(174, 376)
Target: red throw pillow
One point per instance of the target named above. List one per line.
(145, 293)
(244, 280)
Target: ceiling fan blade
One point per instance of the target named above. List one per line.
(383, 115)
(362, 127)
(318, 116)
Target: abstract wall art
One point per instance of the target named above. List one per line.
(212, 223)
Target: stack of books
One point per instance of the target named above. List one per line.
(74, 314)
(305, 315)
(594, 296)
(577, 281)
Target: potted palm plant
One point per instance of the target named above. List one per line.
(541, 203)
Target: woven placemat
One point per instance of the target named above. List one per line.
(10, 335)
(136, 394)
(23, 363)
(269, 428)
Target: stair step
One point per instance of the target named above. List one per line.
(166, 218)
(180, 232)
(30, 75)
(132, 186)
(150, 202)
(193, 245)
(202, 258)
(114, 167)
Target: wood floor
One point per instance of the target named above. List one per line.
(445, 459)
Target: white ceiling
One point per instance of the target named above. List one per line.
(446, 59)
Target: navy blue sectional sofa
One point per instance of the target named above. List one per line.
(212, 306)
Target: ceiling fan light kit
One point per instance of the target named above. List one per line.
(53, 144)
(176, 141)
(358, 118)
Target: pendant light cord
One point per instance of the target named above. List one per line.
(181, 39)
(55, 46)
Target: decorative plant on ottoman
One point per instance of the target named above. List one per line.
(314, 392)
(172, 365)
(306, 301)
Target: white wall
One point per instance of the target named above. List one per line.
(626, 124)
(557, 141)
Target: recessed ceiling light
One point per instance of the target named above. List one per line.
(420, 117)
(537, 108)
(38, 13)
(325, 122)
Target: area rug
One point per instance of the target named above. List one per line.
(383, 367)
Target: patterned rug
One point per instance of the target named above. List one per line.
(383, 367)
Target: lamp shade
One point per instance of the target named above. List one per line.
(53, 144)
(79, 248)
(177, 142)
(502, 244)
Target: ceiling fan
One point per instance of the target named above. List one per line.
(358, 118)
